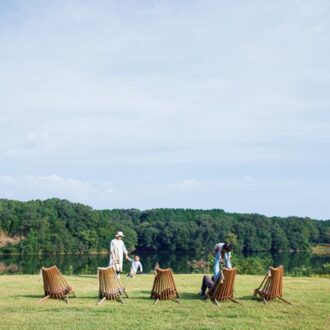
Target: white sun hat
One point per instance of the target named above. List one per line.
(120, 233)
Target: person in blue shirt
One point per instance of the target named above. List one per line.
(222, 253)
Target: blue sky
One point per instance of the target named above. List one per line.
(184, 104)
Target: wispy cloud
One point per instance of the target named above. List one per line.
(291, 196)
(88, 88)
(43, 187)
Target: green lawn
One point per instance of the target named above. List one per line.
(19, 294)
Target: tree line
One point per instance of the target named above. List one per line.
(59, 226)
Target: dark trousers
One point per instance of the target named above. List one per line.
(207, 283)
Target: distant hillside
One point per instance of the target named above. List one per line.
(59, 226)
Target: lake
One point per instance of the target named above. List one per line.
(87, 264)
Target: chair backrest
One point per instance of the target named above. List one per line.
(110, 285)
(164, 286)
(55, 284)
(223, 288)
(273, 286)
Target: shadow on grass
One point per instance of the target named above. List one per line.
(183, 296)
(41, 296)
(37, 296)
(84, 276)
(249, 298)
(259, 301)
(191, 296)
(146, 292)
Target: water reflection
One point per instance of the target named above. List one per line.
(87, 264)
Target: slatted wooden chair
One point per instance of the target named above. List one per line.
(110, 286)
(272, 285)
(55, 285)
(223, 288)
(164, 286)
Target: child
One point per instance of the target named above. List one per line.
(136, 264)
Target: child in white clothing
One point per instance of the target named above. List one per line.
(136, 264)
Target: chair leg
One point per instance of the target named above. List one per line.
(121, 299)
(264, 300)
(235, 301)
(177, 300)
(66, 299)
(126, 295)
(284, 300)
(216, 302)
(156, 301)
(102, 301)
(43, 299)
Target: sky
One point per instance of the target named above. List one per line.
(167, 104)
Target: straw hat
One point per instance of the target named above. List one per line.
(120, 233)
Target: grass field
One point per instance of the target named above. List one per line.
(19, 294)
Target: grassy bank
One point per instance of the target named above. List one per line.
(321, 249)
(19, 294)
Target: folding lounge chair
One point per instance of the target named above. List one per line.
(110, 286)
(55, 285)
(164, 287)
(223, 288)
(272, 285)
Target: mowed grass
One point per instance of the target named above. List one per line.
(19, 309)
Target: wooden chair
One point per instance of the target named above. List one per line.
(55, 285)
(110, 286)
(272, 285)
(223, 288)
(164, 287)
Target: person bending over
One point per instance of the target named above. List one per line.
(222, 253)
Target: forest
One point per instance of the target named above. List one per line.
(56, 226)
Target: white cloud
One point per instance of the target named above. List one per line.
(254, 195)
(43, 187)
(86, 87)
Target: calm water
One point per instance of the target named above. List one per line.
(87, 264)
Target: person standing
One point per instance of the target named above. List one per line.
(117, 252)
